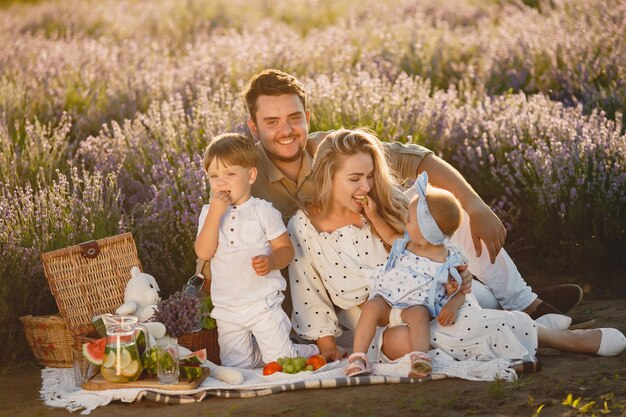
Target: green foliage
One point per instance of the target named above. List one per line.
(207, 306)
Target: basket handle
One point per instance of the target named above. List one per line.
(90, 249)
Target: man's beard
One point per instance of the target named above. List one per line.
(281, 158)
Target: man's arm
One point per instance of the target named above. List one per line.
(484, 224)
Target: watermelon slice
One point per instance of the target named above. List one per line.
(197, 357)
(190, 364)
(94, 351)
(190, 372)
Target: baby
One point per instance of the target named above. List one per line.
(420, 280)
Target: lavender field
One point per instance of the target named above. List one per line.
(106, 106)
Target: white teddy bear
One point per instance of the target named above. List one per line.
(140, 300)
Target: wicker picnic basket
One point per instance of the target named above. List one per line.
(49, 339)
(89, 279)
(200, 340)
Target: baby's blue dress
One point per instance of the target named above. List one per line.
(411, 281)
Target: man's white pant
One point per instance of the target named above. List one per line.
(503, 286)
(257, 333)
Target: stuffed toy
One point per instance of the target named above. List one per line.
(140, 300)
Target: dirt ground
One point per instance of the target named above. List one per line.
(591, 378)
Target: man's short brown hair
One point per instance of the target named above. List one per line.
(272, 82)
(231, 149)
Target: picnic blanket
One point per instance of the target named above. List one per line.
(58, 388)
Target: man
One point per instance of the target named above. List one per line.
(279, 120)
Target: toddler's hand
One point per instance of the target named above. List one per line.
(262, 264)
(446, 315)
(219, 203)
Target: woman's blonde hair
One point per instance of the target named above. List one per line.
(386, 192)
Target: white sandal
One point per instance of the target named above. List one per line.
(421, 365)
(358, 365)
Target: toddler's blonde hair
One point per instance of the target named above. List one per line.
(231, 149)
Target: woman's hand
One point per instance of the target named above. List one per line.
(466, 281)
(466, 277)
(331, 355)
(328, 348)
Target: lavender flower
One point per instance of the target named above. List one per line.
(105, 113)
(179, 313)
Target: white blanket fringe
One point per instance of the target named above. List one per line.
(495, 369)
(445, 364)
(477, 371)
(58, 388)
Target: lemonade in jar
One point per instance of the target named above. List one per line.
(121, 361)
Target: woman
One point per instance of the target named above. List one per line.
(337, 249)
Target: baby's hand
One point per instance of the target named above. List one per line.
(446, 315)
(219, 203)
(262, 264)
(369, 207)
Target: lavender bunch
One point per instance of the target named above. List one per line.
(179, 313)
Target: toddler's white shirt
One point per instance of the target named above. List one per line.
(245, 231)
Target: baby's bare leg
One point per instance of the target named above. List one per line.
(417, 318)
(374, 312)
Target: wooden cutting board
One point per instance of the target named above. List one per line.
(98, 383)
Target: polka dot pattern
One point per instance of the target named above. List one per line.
(328, 270)
(477, 334)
